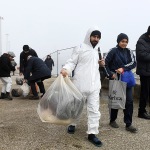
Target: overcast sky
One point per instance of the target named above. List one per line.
(49, 25)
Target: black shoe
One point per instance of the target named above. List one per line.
(71, 129)
(34, 98)
(144, 115)
(8, 97)
(3, 96)
(42, 95)
(131, 129)
(114, 124)
(94, 140)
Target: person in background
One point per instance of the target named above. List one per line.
(36, 70)
(143, 70)
(85, 63)
(49, 62)
(23, 58)
(5, 69)
(118, 60)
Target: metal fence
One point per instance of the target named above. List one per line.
(60, 57)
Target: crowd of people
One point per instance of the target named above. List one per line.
(32, 68)
(117, 61)
(85, 63)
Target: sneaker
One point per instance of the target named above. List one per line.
(131, 129)
(71, 129)
(114, 124)
(94, 140)
(144, 115)
(34, 98)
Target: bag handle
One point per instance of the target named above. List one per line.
(117, 78)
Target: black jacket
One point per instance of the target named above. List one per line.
(5, 66)
(119, 58)
(49, 62)
(23, 59)
(37, 68)
(143, 55)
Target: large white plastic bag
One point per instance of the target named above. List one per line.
(78, 105)
(25, 89)
(62, 103)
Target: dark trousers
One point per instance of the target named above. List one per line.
(128, 111)
(33, 88)
(145, 93)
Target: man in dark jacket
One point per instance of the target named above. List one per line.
(39, 71)
(143, 70)
(5, 69)
(49, 62)
(23, 58)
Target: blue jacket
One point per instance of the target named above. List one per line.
(117, 58)
(37, 68)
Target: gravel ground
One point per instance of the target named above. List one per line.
(21, 129)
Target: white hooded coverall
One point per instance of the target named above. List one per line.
(84, 62)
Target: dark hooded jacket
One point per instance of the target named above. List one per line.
(118, 57)
(49, 62)
(143, 55)
(37, 68)
(23, 59)
(5, 66)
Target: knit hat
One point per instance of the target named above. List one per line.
(122, 36)
(25, 48)
(96, 32)
(148, 31)
(11, 54)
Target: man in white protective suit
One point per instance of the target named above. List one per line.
(85, 63)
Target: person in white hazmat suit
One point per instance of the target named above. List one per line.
(85, 63)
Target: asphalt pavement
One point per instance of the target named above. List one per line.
(22, 129)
